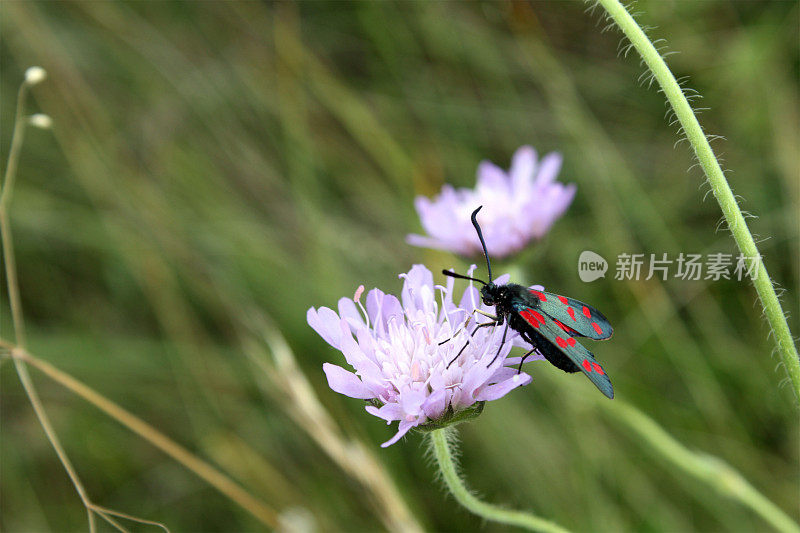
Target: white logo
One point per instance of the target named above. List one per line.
(591, 266)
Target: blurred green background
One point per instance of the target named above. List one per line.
(213, 164)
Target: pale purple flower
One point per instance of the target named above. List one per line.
(518, 206)
(400, 365)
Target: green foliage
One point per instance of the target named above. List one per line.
(209, 159)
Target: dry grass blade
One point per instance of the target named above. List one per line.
(307, 411)
(9, 264)
(214, 477)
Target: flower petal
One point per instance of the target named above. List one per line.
(389, 412)
(426, 242)
(412, 294)
(490, 176)
(325, 322)
(349, 312)
(503, 279)
(512, 363)
(436, 404)
(344, 382)
(411, 401)
(523, 165)
(549, 167)
(375, 299)
(369, 371)
(474, 378)
(402, 429)
(493, 392)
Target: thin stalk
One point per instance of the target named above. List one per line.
(103, 511)
(719, 184)
(44, 421)
(5, 198)
(18, 322)
(708, 469)
(204, 470)
(18, 351)
(447, 466)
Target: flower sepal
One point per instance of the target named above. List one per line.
(451, 418)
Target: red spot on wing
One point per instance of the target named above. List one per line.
(539, 295)
(534, 318)
(564, 327)
(571, 341)
(587, 365)
(597, 328)
(563, 300)
(561, 342)
(528, 316)
(586, 312)
(597, 368)
(571, 312)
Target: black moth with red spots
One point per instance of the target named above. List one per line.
(548, 322)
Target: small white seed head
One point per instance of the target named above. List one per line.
(40, 120)
(35, 75)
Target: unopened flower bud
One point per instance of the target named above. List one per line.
(40, 120)
(35, 75)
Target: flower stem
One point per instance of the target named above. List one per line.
(716, 179)
(18, 322)
(444, 457)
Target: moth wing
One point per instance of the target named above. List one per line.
(573, 316)
(566, 344)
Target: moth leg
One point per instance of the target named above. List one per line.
(502, 342)
(479, 326)
(472, 315)
(519, 369)
(459, 330)
(484, 313)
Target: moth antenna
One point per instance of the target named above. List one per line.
(483, 243)
(461, 276)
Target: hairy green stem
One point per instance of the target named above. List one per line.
(717, 181)
(444, 457)
(706, 468)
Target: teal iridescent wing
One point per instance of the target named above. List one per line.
(552, 333)
(573, 316)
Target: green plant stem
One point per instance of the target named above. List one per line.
(719, 185)
(706, 468)
(444, 457)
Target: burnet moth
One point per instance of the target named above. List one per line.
(548, 322)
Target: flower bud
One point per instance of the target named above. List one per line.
(35, 75)
(40, 120)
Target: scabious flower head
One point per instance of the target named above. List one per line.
(403, 367)
(518, 206)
